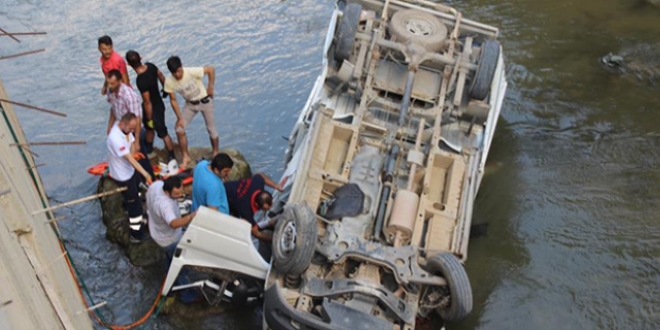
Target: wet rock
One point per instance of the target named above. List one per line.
(115, 217)
(640, 61)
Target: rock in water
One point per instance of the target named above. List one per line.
(640, 61)
(115, 218)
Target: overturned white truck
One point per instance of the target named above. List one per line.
(382, 168)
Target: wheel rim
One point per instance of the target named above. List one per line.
(419, 26)
(288, 240)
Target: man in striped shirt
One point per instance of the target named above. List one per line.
(123, 99)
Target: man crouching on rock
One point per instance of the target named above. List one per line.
(166, 222)
(208, 183)
(127, 171)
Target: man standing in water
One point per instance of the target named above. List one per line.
(123, 99)
(147, 80)
(111, 60)
(126, 170)
(188, 82)
(208, 183)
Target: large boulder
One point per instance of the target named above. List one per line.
(115, 217)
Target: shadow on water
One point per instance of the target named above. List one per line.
(572, 241)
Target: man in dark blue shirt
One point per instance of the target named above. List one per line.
(247, 197)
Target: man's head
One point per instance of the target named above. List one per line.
(264, 200)
(105, 46)
(173, 187)
(133, 59)
(175, 67)
(114, 80)
(128, 123)
(221, 165)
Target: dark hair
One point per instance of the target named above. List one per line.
(222, 161)
(133, 58)
(115, 73)
(174, 63)
(264, 198)
(128, 117)
(172, 182)
(105, 40)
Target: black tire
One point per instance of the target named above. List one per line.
(460, 291)
(483, 78)
(294, 239)
(345, 36)
(419, 27)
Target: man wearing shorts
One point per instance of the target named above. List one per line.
(188, 82)
(148, 76)
(111, 60)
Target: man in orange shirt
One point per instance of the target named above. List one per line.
(111, 60)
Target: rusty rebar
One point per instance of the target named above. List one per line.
(11, 35)
(21, 34)
(25, 105)
(46, 143)
(22, 54)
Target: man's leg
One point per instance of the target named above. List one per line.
(161, 131)
(186, 295)
(188, 115)
(209, 118)
(148, 137)
(146, 164)
(133, 205)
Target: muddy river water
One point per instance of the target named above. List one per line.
(571, 197)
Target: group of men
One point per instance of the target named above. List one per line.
(132, 112)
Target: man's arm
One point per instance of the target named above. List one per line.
(111, 121)
(210, 71)
(175, 108)
(148, 109)
(104, 89)
(183, 221)
(124, 77)
(138, 167)
(269, 182)
(262, 236)
(161, 78)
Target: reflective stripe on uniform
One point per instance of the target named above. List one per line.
(135, 223)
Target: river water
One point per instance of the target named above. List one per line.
(570, 198)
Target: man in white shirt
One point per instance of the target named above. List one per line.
(126, 171)
(188, 82)
(165, 220)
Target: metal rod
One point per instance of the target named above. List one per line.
(35, 166)
(62, 143)
(11, 35)
(28, 150)
(22, 54)
(55, 220)
(25, 105)
(81, 200)
(5, 34)
(97, 306)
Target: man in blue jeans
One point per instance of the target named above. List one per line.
(208, 183)
(166, 222)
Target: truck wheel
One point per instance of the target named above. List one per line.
(294, 239)
(483, 79)
(345, 37)
(419, 27)
(460, 292)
